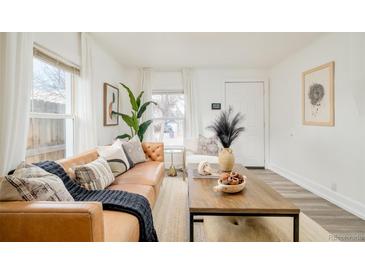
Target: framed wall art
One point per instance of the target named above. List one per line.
(318, 95)
(111, 103)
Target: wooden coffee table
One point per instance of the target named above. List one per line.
(257, 199)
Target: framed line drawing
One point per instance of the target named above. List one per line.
(318, 96)
(111, 103)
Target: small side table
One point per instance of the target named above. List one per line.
(172, 150)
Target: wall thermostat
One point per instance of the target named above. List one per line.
(216, 105)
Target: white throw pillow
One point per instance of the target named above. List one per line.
(32, 183)
(208, 146)
(95, 175)
(115, 157)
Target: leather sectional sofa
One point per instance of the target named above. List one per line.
(85, 221)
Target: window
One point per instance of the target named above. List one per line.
(50, 135)
(168, 117)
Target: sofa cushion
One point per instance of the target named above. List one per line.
(147, 173)
(96, 175)
(120, 227)
(144, 190)
(116, 158)
(133, 148)
(31, 183)
(207, 146)
(78, 160)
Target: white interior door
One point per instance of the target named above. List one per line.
(248, 98)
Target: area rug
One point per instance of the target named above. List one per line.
(171, 222)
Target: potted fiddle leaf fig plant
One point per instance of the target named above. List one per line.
(133, 120)
(227, 130)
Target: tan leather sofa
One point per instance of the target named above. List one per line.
(85, 221)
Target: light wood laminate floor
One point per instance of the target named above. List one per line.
(342, 224)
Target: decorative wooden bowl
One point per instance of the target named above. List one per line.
(230, 188)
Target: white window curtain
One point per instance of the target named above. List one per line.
(85, 121)
(146, 86)
(191, 105)
(16, 66)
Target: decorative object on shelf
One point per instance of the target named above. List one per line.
(204, 168)
(216, 106)
(232, 182)
(227, 129)
(133, 121)
(318, 95)
(111, 105)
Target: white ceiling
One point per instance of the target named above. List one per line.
(173, 50)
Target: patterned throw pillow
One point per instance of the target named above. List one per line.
(32, 183)
(95, 175)
(115, 157)
(133, 149)
(207, 146)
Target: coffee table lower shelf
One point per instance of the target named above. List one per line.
(193, 214)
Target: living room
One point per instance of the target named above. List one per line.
(159, 135)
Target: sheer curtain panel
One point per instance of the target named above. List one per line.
(146, 85)
(85, 122)
(16, 60)
(191, 105)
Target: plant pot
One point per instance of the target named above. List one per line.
(226, 159)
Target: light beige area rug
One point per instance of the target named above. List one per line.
(171, 222)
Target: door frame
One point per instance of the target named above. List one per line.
(266, 109)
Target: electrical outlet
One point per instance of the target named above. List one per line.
(334, 186)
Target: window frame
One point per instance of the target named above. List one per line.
(59, 62)
(171, 92)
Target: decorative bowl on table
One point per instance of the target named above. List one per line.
(232, 182)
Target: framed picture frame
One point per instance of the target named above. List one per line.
(111, 103)
(318, 96)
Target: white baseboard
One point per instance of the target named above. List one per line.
(336, 198)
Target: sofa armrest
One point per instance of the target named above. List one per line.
(51, 221)
(154, 151)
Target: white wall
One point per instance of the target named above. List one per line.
(330, 161)
(209, 88)
(106, 69)
(65, 44)
(166, 80)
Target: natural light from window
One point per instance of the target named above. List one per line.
(168, 117)
(50, 134)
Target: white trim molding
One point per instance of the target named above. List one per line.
(336, 198)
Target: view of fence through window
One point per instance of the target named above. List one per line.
(168, 117)
(51, 121)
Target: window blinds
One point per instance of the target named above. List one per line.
(55, 60)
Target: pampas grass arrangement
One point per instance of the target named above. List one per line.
(226, 128)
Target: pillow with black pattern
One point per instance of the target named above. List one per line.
(115, 157)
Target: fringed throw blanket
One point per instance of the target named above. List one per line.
(116, 200)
